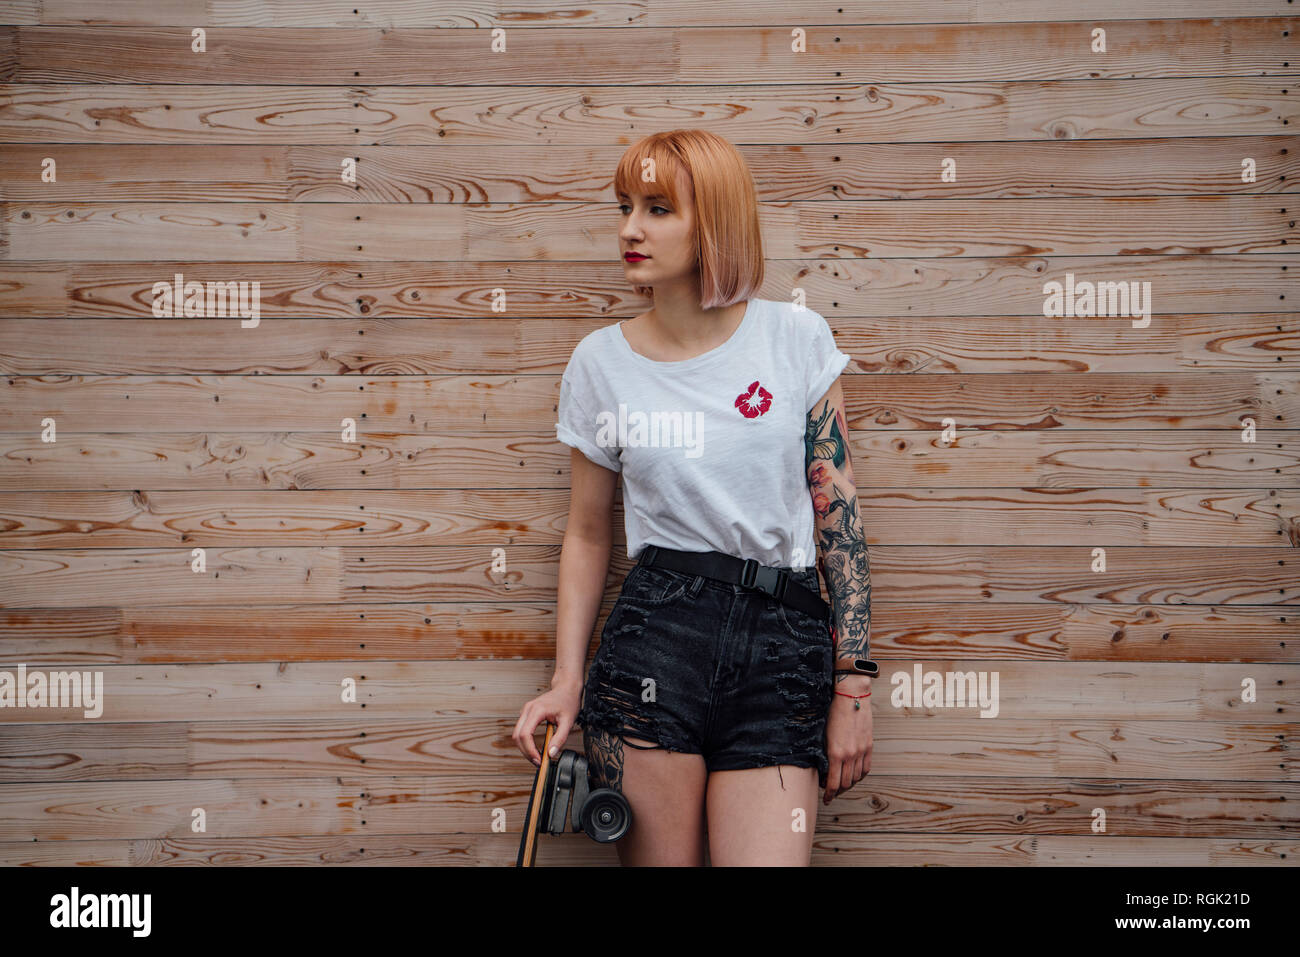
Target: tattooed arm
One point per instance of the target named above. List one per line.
(839, 535)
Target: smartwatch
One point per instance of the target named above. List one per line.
(860, 666)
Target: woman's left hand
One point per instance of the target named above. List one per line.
(848, 737)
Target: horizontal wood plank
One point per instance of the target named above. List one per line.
(290, 807)
(266, 574)
(577, 850)
(920, 53)
(223, 462)
(124, 173)
(478, 405)
(244, 232)
(481, 745)
(855, 114)
(237, 522)
(1171, 629)
(522, 14)
(992, 290)
(1110, 691)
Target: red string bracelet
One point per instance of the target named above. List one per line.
(857, 705)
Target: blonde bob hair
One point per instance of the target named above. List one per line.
(726, 236)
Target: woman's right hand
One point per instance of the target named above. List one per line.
(559, 706)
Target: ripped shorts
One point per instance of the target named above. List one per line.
(706, 667)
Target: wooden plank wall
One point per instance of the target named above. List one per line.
(1169, 159)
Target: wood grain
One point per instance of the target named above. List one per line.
(1173, 625)
(842, 113)
(920, 53)
(523, 14)
(1109, 691)
(240, 232)
(1169, 159)
(437, 804)
(1060, 458)
(986, 289)
(924, 746)
(176, 172)
(861, 849)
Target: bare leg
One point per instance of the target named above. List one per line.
(752, 821)
(665, 790)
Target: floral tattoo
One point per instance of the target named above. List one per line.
(843, 545)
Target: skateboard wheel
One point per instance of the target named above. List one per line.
(606, 815)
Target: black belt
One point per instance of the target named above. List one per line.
(738, 571)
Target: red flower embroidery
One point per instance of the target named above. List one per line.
(752, 405)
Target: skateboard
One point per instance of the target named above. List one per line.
(562, 801)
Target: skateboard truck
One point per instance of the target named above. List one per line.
(562, 802)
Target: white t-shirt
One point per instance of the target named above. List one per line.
(711, 448)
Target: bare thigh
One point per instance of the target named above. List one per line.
(665, 790)
(752, 821)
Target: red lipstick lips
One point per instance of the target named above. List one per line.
(634, 257)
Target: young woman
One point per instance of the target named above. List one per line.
(720, 700)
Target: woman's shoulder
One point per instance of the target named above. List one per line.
(786, 309)
(597, 341)
(794, 321)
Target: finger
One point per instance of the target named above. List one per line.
(517, 736)
(857, 770)
(562, 725)
(833, 779)
(525, 722)
(529, 740)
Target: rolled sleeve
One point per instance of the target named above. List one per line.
(577, 429)
(825, 361)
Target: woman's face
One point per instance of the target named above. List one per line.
(651, 226)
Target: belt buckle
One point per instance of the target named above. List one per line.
(765, 579)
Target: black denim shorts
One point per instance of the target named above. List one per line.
(705, 667)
